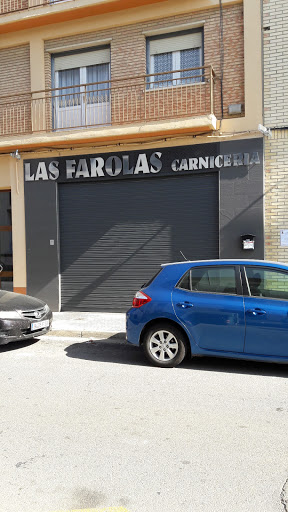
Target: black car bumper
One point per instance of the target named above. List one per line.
(15, 330)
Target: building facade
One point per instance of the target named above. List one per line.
(275, 58)
(129, 136)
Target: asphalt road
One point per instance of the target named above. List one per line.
(91, 425)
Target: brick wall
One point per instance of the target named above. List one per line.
(276, 194)
(128, 51)
(15, 111)
(275, 23)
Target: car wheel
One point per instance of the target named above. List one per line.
(164, 345)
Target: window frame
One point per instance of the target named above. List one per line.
(83, 80)
(176, 76)
(56, 55)
(239, 288)
(246, 287)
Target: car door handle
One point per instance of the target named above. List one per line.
(256, 311)
(185, 305)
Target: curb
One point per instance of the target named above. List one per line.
(111, 336)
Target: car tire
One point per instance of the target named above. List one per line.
(164, 345)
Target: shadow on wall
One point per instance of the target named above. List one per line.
(130, 229)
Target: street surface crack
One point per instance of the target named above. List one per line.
(284, 496)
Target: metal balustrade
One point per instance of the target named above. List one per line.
(162, 96)
(9, 6)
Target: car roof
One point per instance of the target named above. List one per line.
(227, 261)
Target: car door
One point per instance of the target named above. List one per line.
(266, 311)
(208, 300)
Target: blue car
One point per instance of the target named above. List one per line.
(224, 308)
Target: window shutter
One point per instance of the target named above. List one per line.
(82, 59)
(176, 43)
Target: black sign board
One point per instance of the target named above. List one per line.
(170, 161)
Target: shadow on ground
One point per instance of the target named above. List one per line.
(112, 350)
(17, 345)
(116, 351)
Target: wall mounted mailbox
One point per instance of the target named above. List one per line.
(248, 242)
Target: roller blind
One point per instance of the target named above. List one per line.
(96, 278)
(83, 59)
(176, 43)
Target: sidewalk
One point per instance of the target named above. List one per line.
(88, 325)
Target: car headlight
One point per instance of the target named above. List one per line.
(46, 308)
(9, 315)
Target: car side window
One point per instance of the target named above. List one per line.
(214, 279)
(210, 279)
(267, 283)
(185, 281)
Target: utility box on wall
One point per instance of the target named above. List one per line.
(248, 242)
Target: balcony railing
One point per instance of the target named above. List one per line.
(8, 6)
(173, 95)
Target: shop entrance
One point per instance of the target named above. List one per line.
(6, 258)
(114, 236)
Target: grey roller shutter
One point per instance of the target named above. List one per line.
(176, 43)
(114, 235)
(82, 59)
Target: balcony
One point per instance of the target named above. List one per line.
(9, 6)
(26, 14)
(186, 95)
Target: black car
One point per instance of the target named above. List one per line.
(22, 317)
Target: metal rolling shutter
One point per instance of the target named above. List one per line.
(82, 59)
(176, 43)
(114, 235)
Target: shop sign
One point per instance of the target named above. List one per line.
(166, 161)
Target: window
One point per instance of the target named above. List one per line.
(82, 96)
(174, 55)
(267, 283)
(210, 279)
(185, 281)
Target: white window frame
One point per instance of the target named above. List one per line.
(84, 109)
(176, 59)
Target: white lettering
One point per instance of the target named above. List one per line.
(227, 161)
(184, 165)
(28, 176)
(238, 159)
(193, 164)
(70, 168)
(174, 165)
(204, 162)
(41, 173)
(142, 164)
(219, 161)
(126, 169)
(156, 162)
(97, 165)
(246, 158)
(53, 170)
(255, 158)
(113, 165)
(82, 169)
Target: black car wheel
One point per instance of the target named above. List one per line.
(164, 345)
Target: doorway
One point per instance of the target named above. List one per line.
(6, 254)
